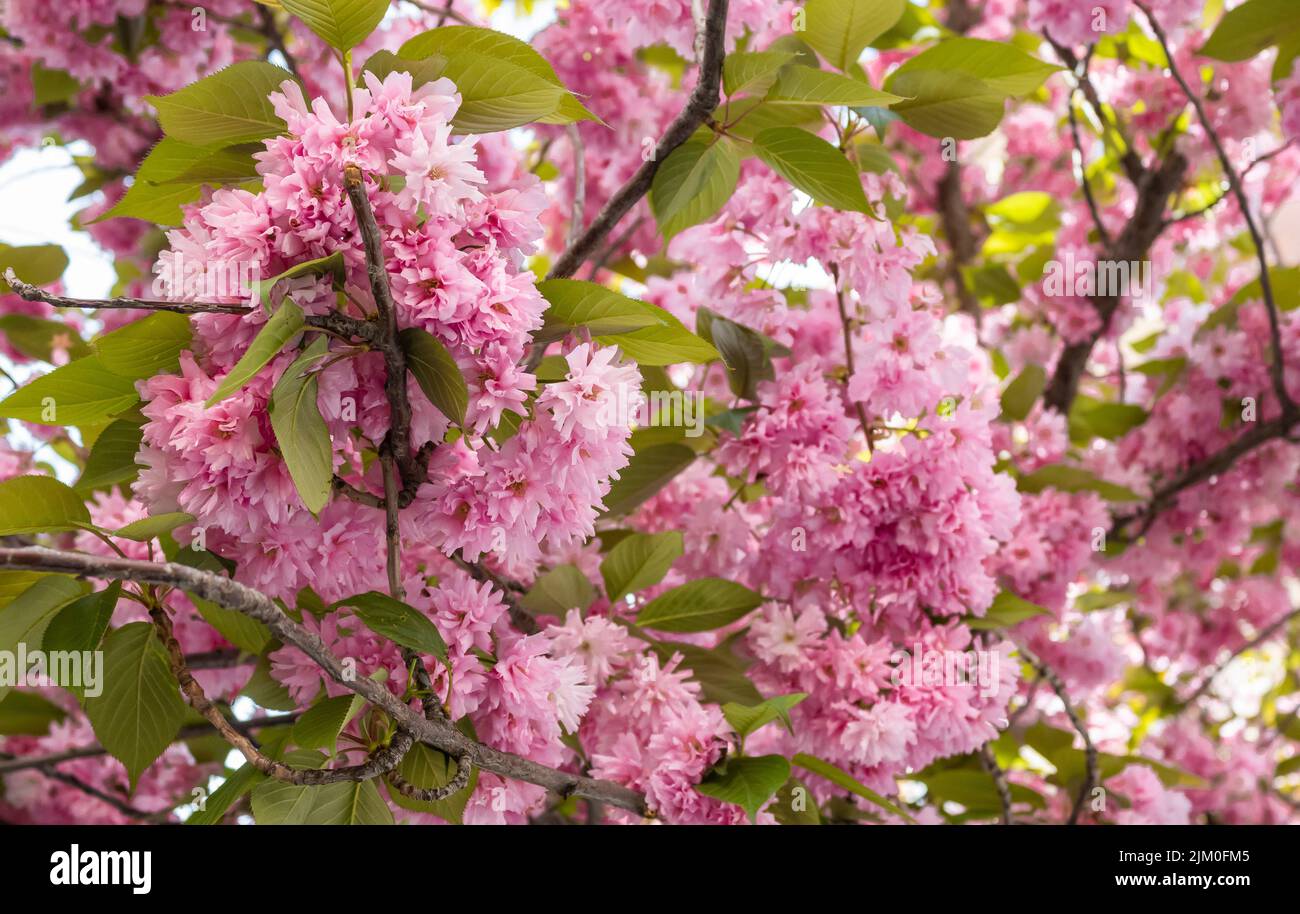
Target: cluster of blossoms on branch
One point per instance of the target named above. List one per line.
(948, 542)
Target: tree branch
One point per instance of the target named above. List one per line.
(1091, 779)
(698, 108)
(232, 595)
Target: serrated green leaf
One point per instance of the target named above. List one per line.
(320, 725)
(25, 618)
(748, 782)
(39, 504)
(83, 392)
(813, 166)
(693, 183)
(753, 72)
(37, 338)
(426, 768)
(843, 779)
(799, 85)
(38, 264)
(646, 473)
(638, 561)
(1249, 28)
(557, 591)
(839, 30)
(745, 719)
(80, 625)
(398, 622)
(698, 606)
(140, 709)
(230, 106)
(28, 714)
(436, 372)
(341, 24)
(147, 347)
(112, 458)
(1022, 393)
(287, 321)
(147, 528)
(300, 432)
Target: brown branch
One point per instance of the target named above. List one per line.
(1091, 778)
(1129, 159)
(332, 321)
(47, 768)
(269, 28)
(702, 101)
(990, 764)
(1082, 161)
(847, 329)
(232, 595)
(1277, 369)
(381, 762)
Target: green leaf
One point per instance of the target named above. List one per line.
(749, 782)
(1003, 68)
(157, 203)
(1073, 479)
(436, 372)
(40, 339)
(1007, 610)
(639, 561)
(38, 264)
(28, 714)
(665, 344)
(946, 104)
(795, 805)
(140, 709)
(173, 174)
(13, 583)
(843, 779)
(745, 719)
(147, 528)
(230, 106)
(81, 624)
(799, 85)
(743, 352)
(1249, 28)
(83, 392)
(496, 97)
(287, 321)
(24, 619)
(52, 86)
(281, 803)
(573, 303)
(341, 24)
(839, 30)
(422, 71)
(112, 458)
(975, 790)
(398, 622)
(1021, 394)
(264, 690)
(39, 504)
(242, 631)
(350, 803)
(813, 166)
(426, 767)
(320, 725)
(753, 72)
(1091, 418)
(557, 591)
(300, 433)
(331, 265)
(507, 51)
(720, 673)
(647, 472)
(232, 789)
(698, 606)
(693, 183)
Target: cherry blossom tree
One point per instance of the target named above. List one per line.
(697, 411)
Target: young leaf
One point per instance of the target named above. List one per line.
(753, 72)
(557, 591)
(693, 183)
(140, 709)
(745, 719)
(38, 264)
(300, 433)
(743, 352)
(798, 85)
(112, 458)
(639, 561)
(839, 30)
(1007, 610)
(283, 325)
(813, 166)
(749, 782)
(843, 779)
(147, 347)
(341, 24)
(230, 106)
(320, 725)
(401, 623)
(436, 372)
(572, 303)
(646, 473)
(81, 624)
(147, 528)
(83, 392)
(39, 504)
(698, 606)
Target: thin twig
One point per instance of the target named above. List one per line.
(1090, 751)
(579, 210)
(990, 764)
